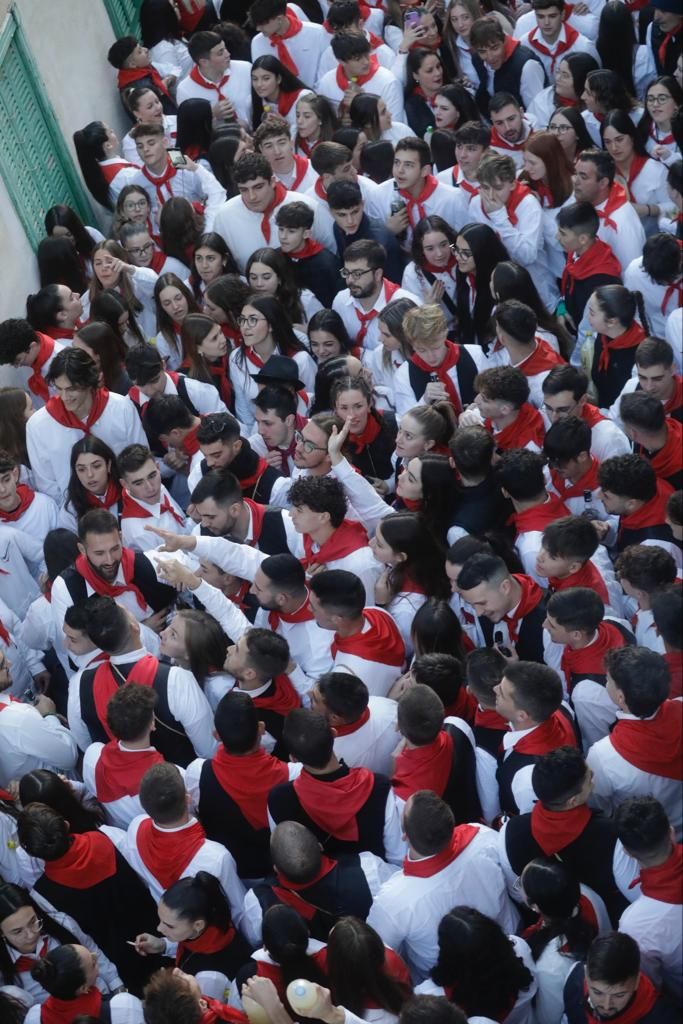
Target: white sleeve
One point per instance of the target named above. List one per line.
(524, 239)
(133, 424)
(385, 925)
(31, 549)
(251, 920)
(232, 619)
(393, 98)
(47, 739)
(192, 776)
(404, 396)
(189, 706)
(362, 495)
(232, 886)
(487, 784)
(37, 628)
(144, 280)
(522, 790)
(41, 466)
(238, 559)
(395, 847)
(532, 81)
(214, 195)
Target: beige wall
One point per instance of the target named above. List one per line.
(69, 40)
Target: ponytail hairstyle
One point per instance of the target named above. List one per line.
(437, 423)
(195, 328)
(42, 307)
(110, 349)
(357, 970)
(285, 937)
(13, 898)
(62, 216)
(180, 228)
(45, 787)
(487, 251)
(164, 322)
(229, 292)
(206, 644)
(108, 306)
(59, 263)
(409, 534)
(618, 303)
(552, 888)
(76, 494)
(123, 284)
(89, 143)
(60, 972)
(392, 318)
(287, 289)
(199, 898)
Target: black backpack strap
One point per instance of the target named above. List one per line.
(75, 584)
(157, 595)
(182, 393)
(89, 715)
(445, 298)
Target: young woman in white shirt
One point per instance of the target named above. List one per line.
(104, 170)
(275, 90)
(384, 361)
(431, 273)
(161, 33)
(570, 128)
(173, 300)
(370, 115)
(112, 269)
(211, 259)
(145, 107)
(316, 122)
(570, 79)
(195, 641)
(69, 974)
(269, 272)
(663, 98)
(604, 91)
(643, 178)
(548, 173)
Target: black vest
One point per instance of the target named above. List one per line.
(284, 805)
(610, 382)
(673, 48)
(169, 737)
(656, 531)
(461, 789)
(601, 677)
(224, 822)
(508, 77)
(374, 460)
(576, 298)
(225, 961)
(343, 891)
(466, 371)
(272, 539)
(243, 466)
(530, 635)
(157, 595)
(509, 765)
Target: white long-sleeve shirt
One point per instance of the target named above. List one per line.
(198, 186)
(29, 741)
(237, 89)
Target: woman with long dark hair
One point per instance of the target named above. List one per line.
(620, 51)
(205, 353)
(161, 32)
(567, 88)
(59, 263)
(570, 128)
(223, 301)
(195, 922)
(28, 932)
(453, 107)
(275, 90)
(431, 272)
(108, 352)
(477, 251)
(180, 228)
(424, 78)
(328, 337)
(372, 434)
(104, 170)
(69, 974)
(173, 301)
(223, 153)
(481, 969)
(111, 308)
(46, 787)
(63, 222)
(548, 173)
(663, 101)
(643, 178)
(436, 629)
(146, 108)
(195, 130)
(94, 481)
(510, 280)
(196, 641)
(113, 269)
(390, 354)
(269, 272)
(364, 975)
(604, 91)
(211, 259)
(611, 313)
(370, 115)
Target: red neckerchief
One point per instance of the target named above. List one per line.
(587, 576)
(350, 727)
(589, 481)
(597, 259)
(518, 193)
(320, 190)
(253, 357)
(294, 26)
(571, 35)
(118, 772)
(661, 52)
(105, 684)
(419, 91)
(617, 198)
(59, 333)
(675, 288)
(110, 170)
(544, 357)
(652, 513)
(591, 415)
(257, 516)
(59, 1011)
(664, 882)
(167, 854)
(301, 166)
(663, 140)
(531, 596)
(631, 338)
(36, 382)
(158, 261)
(26, 496)
(343, 82)
(544, 195)
(248, 779)
(218, 368)
(429, 187)
(333, 806)
(555, 732)
(427, 767)
(25, 962)
(590, 660)
(553, 830)
(286, 100)
(642, 1002)
(114, 590)
(369, 434)
(653, 745)
(190, 444)
(212, 940)
(231, 334)
(539, 516)
(306, 147)
(288, 892)
(367, 318)
(111, 496)
(487, 718)
(448, 269)
(637, 164)
(128, 76)
(464, 706)
(56, 409)
(283, 700)
(674, 660)
(461, 838)
(131, 509)
(499, 142)
(449, 360)
(347, 538)
(308, 249)
(381, 643)
(279, 195)
(90, 859)
(159, 181)
(668, 461)
(528, 426)
(198, 77)
(216, 1011)
(302, 614)
(248, 482)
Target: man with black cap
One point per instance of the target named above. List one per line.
(664, 35)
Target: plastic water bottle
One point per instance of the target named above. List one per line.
(254, 1011)
(589, 510)
(302, 995)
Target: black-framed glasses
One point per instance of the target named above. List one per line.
(463, 254)
(355, 275)
(141, 250)
(307, 445)
(249, 321)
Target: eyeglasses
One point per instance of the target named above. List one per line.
(135, 204)
(561, 410)
(662, 97)
(355, 275)
(560, 129)
(29, 929)
(250, 321)
(463, 254)
(307, 445)
(141, 250)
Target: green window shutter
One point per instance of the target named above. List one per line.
(124, 16)
(35, 163)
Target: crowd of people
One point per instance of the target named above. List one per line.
(341, 527)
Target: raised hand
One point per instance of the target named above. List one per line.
(336, 442)
(173, 541)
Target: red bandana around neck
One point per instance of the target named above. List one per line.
(198, 77)
(427, 867)
(26, 961)
(343, 82)
(105, 589)
(249, 482)
(536, 519)
(36, 382)
(167, 854)
(288, 892)
(630, 338)
(26, 495)
(587, 576)
(597, 259)
(571, 35)
(553, 830)
(211, 940)
(216, 1012)
(665, 882)
(333, 806)
(309, 249)
(131, 509)
(57, 410)
(617, 198)
(652, 513)
(544, 357)
(427, 767)
(532, 595)
(555, 732)
(248, 779)
(642, 1002)
(675, 289)
(498, 142)
(369, 434)
(668, 461)
(653, 745)
(90, 859)
(161, 181)
(591, 415)
(449, 269)
(128, 77)
(302, 614)
(414, 205)
(58, 1011)
(111, 496)
(367, 318)
(381, 643)
(283, 700)
(347, 538)
(106, 683)
(588, 482)
(450, 360)
(279, 196)
(294, 26)
(351, 727)
(118, 772)
(527, 426)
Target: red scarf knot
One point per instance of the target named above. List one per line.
(617, 198)
(366, 318)
(105, 589)
(333, 805)
(449, 362)
(382, 642)
(554, 830)
(597, 259)
(36, 382)
(347, 538)
(58, 411)
(414, 204)
(294, 26)
(343, 82)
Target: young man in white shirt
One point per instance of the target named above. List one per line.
(554, 38)
(657, 275)
(472, 140)
(565, 395)
(348, 17)
(644, 570)
(360, 71)
(273, 140)
(145, 500)
(145, 367)
(21, 507)
(280, 33)
(80, 408)
(22, 346)
(510, 67)
(620, 225)
(511, 129)
(225, 83)
(364, 726)
(162, 179)
(247, 221)
(655, 375)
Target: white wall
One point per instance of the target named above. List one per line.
(69, 40)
